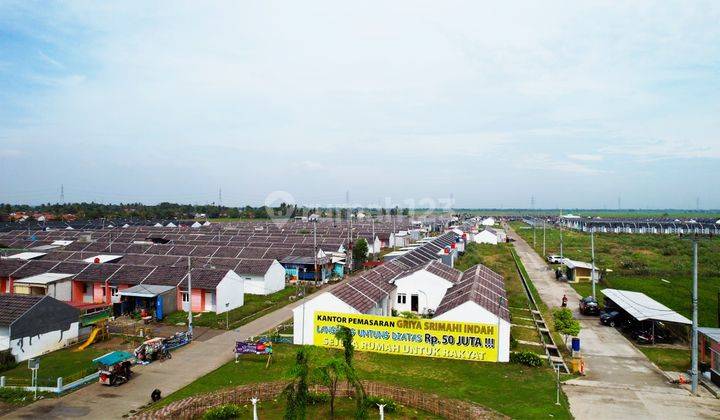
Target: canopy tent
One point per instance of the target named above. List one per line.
(145, 290)
(171, 225)
(113, 358)
(642, 307)
(196, 225)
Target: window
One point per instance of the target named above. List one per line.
(185, 296)
(402, 298)
(113, 291)
(104, 291)
(85, 288)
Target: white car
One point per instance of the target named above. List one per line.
(554, 259)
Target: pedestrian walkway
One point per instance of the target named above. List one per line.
(187, 364)
(620, 382)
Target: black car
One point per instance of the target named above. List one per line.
(645, 334)
(589, 306)
(612, 318)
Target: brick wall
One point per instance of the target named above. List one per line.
(194, 407)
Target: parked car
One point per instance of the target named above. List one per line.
(589, 306)
(554, 259)
(643, 334)
(613, 318)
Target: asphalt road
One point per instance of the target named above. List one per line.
(187, 364)
(620, 382)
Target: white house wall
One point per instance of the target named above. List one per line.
(61, 290)
(29, 347)
(472, 312)
(229, 293)
(275, 278)
(303, 315)
(254, 285)
(486, 237)
(429, 288)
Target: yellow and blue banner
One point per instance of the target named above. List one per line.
(410, 337)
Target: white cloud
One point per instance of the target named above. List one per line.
(310, 165)
(585, 157)
(10, 153)
(423, 89)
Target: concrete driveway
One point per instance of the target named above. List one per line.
(187, 364)
(620, 382)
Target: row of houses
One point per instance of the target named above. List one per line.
(420, 281)
(635, 226)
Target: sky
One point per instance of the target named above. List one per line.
(577, 104)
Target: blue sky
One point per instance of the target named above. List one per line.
(404, 100)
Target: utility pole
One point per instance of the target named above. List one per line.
(532, 204)
(373, 235)
(561, 238)
(694, 367)
(190, 325)
(592, 260)
(544, 237)
(220, 197)
(315, 250)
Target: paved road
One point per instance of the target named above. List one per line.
(620, 381)
(188, 364)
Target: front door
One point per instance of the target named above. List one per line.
(414, 303)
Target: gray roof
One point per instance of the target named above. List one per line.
(13, 307)
(145, 290)
(481, 285)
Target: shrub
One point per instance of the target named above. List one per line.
(224, 412)
(526, 358)
(317, 398)
(513, 342)
(7, 360)
(390, 405)
(409, 315)
(15, 396)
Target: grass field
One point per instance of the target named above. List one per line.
(515, 390)
(253, 307)
(675, 360)
(657, 265)
(64, 363)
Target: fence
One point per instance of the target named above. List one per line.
(55, 385)
(447, 408)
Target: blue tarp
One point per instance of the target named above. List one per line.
(113, 358)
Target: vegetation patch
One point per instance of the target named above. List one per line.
(514, 390)
(254, 307)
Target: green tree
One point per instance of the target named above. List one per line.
(345, 335)
(360, 251)
(565, 324)
(296, 392)
(330, 374)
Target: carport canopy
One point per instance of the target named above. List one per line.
(145, 290)
(642, 307)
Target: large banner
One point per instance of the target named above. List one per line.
(410, 337)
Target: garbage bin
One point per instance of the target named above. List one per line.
(575, 344)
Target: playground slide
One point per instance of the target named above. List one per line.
(90, 339)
